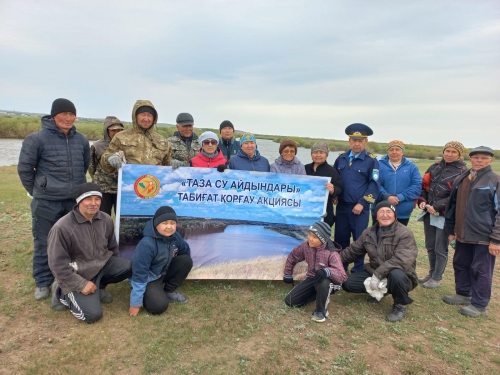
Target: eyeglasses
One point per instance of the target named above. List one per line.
(210, 142)
(288, 152)
(480, 157)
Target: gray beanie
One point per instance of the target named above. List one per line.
(320, 146)
(321, 230)
(207, 135)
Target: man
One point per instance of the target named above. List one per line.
(139, 145)
(228, 145)
(473, 220)
(392, 253)
(359, 174)
(106, 181)
(185, 145)
(436, 189)
(84, 257)
(52, 163)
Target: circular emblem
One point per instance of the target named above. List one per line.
(147, 186)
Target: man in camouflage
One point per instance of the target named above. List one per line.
(106, 181)
(140, 144)
(185, 145)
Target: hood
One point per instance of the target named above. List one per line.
(385, 159)
(102, 144)
(50, 124)
(142, 103)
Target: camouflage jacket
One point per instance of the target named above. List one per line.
(138, 146)
(180, 150)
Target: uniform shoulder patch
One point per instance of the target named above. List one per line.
(373, 156)
(341, 152)
(375, 174)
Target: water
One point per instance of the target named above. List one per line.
(9, 151)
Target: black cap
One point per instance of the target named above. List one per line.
(164, 213)
(184, 119)
(358, 131)
(482, 150)
(62, 105)
(87, 189)
(225, 124)
(384, 204)
(147, 109)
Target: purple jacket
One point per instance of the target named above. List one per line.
(288, 167)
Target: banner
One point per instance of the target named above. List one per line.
(238, 224)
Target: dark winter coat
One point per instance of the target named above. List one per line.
(243, 162)
(229, 148)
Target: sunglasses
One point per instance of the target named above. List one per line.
(210, 142)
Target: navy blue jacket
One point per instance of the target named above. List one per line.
(404, 182)
(359, 180)
(242, 162)
(152, 258)
(53, 164)
(229, 152)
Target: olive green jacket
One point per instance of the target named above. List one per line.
(180, 150)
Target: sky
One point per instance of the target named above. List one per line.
(424, 72)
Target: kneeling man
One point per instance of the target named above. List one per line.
(392, 253)
(84, 258)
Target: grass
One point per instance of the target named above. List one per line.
(232, 326)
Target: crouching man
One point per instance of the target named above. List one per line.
(392, 253)
(84, 258)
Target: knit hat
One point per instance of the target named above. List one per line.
(320, 146)
(321, 230)
(207, 135)
(164, 213)
(384, 204)
(87, 189)
(396, 143)
(456, 145)
(184, 119)
(288, 143)
(147, 109)
(62, 105)
(225, 124)
(247, 137)
(482, 150)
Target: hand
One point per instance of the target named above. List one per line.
(394, 200)
(431, 210)
(288, 279)
(320, 275)
(221, 168)
(374, 282)
(422, 205)
(451, 237)
(175, 163)
(494, 249)
(89, 288)
(115, 161)
(330, 187)
(133, 311)
(357, 209)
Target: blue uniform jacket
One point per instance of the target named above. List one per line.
(152, 257)
(404, 182)
(359, 180)
(229, 152)
(242, 162)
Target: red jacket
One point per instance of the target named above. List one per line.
(202, 161)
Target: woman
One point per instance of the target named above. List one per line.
(436, 189)
(319, 167)
(248, 157)
(287, 162)
(210, 155)
(400, 181)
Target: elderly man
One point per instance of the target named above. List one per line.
(84, 257)
(392, 253)
(228, 145)
(139, 145)
(359, 172)
(473, 220)
(185, 145)
(52, 163)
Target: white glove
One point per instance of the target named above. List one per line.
(175, 163)
(115, 161)
(374, 282)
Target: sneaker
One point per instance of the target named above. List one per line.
(473, 311)
(55, 302)
(397, 313)
(456, 299)
(177, 297)
(319, 316)
(105, 296)
(424, 279)
(431, 284)
(41, 292)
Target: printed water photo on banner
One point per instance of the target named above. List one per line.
(238, 224)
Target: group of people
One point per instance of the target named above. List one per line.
(74, 239)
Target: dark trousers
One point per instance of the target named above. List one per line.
(308, 291)
(347, 223)
(44, 215)
(473, 265)
(155, 297)
(398, 284)
(436, 243)
(88, 307)
(108, 202)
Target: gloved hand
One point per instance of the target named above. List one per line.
(320, 275)
(221, 168)
(288, 279)
(374, 282)
(175, 163)
(115, 161)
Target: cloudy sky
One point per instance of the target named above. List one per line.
(425, 72)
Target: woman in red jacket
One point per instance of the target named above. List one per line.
(210, 155)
